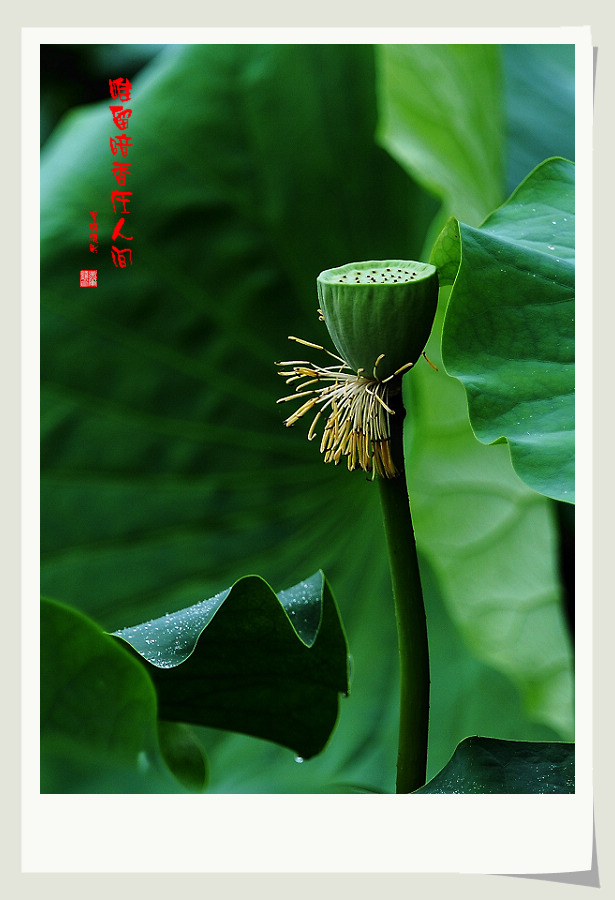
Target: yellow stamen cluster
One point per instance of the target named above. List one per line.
(358, 423)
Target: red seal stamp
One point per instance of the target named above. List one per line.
(87, 277)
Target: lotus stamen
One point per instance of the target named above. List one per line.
(357, 426)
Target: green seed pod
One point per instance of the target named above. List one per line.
(379, 307)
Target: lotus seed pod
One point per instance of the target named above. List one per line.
(379, 307)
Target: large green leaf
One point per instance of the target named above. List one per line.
(166, 470)
(539, 106)
(98, 707)
(246, 660)
(491, 543)
(485, 766)
(441, 117)
(68, 767)
(184, 754)
(91, 689)
(509, 329)
(164, 457)
(467, 696)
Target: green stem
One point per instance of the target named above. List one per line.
(410, 614)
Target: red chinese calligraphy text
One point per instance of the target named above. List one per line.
(116, 231)
(120, 170)
(119, 88)
(118, 257)
(121, 197)
(120, 116)
(120, 142)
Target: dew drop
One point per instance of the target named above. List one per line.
(298, 759)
